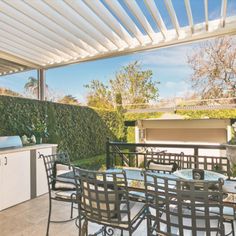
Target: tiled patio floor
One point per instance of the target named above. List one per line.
(30, 219)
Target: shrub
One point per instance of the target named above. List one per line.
(81, 131)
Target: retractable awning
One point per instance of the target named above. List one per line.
(36, 34)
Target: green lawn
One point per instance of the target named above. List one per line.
(92, 163)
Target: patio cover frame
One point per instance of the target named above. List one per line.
(47, 34)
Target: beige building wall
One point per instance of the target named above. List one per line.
(187, 135)
(179, 131)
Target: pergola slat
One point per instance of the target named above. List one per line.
(206, 13)
(40, 21)
(190, 16)
(34, 24)
(173, 16)
(97, 14)
(31, 48)
(79, 27)
(18, 34)
(41, 34)
(106, 34)
(127, 21)
(18, 52)
(223, 12)
(57, 48)
(134, 8)
(157, 17)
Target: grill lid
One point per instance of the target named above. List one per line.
(10, 142)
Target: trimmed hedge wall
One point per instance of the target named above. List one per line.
(220, 114)
(81, 131)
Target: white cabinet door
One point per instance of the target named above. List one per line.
(15, 174)
(1, 183)
(41, 178)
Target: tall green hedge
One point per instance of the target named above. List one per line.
(220, 114)
(79, 130)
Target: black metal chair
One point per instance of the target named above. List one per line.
(105, 201)
(162, 162)
(59, 188)
(187, 206)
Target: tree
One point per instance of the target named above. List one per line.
(134, 84)
(32, 86)
(131, 85)
(214, 68)
(69, 99)
(8, 92)
(99, 95)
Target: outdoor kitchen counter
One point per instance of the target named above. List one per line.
(22, 172)
(26, 148)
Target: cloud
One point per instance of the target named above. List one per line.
(172, 56)
(177, 89)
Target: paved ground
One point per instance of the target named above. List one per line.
(30, 219)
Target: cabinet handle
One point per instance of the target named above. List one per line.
(5, 161)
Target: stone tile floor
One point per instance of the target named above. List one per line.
(30, 218)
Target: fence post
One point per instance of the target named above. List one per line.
(195, 157)
(108, 161)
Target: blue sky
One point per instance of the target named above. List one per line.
(169, 65)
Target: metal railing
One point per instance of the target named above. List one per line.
(135, 154)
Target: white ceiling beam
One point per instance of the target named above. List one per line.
(42, 27)
(106, 33)
(157, 17)
(38, 19)
(18, 52)
(23, 51)
(206, 14)
(200, 34)
(14, 33)
(118, 10)
(48, 43)
(98, 15)
(26, 46)
(135, 9)
(173, 17)
(18, 60)
(9, 67)
(189, 14)
(59, 13)
(223, 12)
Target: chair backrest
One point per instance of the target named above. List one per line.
(167, 162)
(183, 161)
(50, 162)
(104, 196)
(181, 207)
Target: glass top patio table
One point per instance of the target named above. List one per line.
(135, 179)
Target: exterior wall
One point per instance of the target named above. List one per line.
(201, 131)
(187, 135)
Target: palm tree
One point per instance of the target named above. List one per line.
(32, 86)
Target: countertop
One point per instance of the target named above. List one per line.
(26, 148)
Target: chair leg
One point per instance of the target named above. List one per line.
(49, 217)
(80, 226)
(232, 225)
(71, 210)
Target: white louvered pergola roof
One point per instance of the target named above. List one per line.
(37, 34)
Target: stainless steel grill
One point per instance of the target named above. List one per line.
(10, 142)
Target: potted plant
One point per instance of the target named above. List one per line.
(39, 130)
